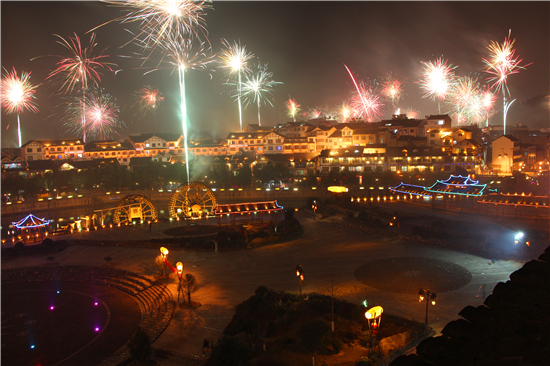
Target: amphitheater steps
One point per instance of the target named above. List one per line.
(155, 300)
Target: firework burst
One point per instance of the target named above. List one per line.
(344, 112)
(502, 63)
(80, 69)
(438, 79)
(392, 89)
(171, 27)
(258, 88)
(412, 113)
(147, 98)
(293, 108)
(17, 95)
(465, 101)
(234, 58)
(366, 102)
(102, 119)
(160, 19)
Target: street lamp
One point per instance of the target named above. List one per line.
(314, 207)
(179, 267)
(374, 316)
(429, 297)
(163, 254)
(300, 275)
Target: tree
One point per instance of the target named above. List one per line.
(190, 285)
(334, 176)
(244, 176)
(313, 335)
(140, 347)
(231, 351)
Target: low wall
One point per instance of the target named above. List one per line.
(225, 196)
(54, 204)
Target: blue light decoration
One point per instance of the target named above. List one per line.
(454, 185)
(458, 185)
(410, 189)
(30, 222)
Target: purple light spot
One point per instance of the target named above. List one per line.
(51, 307)
(57, 291)
(96, 303)
(97, 329)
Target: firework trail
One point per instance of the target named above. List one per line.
(80, 69)
(102, 119)
(258, 88)
(17, 94)
(293, 108)
(147, 98)
(170, 27)
(502, 63)
(234, 58)
(488, 100)
(412, 113)
(438, 80)
(184, 54)
(392, 89)
(366, 102)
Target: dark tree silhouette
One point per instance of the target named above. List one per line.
(140, 347)
(190, 285)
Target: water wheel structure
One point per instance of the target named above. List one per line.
(134, 207)
(192, 200)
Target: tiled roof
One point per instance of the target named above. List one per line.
(109, 146)
(410, 189)
(41, 165)
(94, 163)
(519, 200)
(247, 135)
(146, 136)
(56, 142)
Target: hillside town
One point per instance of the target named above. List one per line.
(314, 147)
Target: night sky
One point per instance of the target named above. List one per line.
(306, 45)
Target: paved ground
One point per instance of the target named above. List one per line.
(328, 254)
(47, 323)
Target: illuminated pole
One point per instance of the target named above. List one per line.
(300, 275)
(179, 267)
(429, 297)
(164, 254)
(181, 71)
